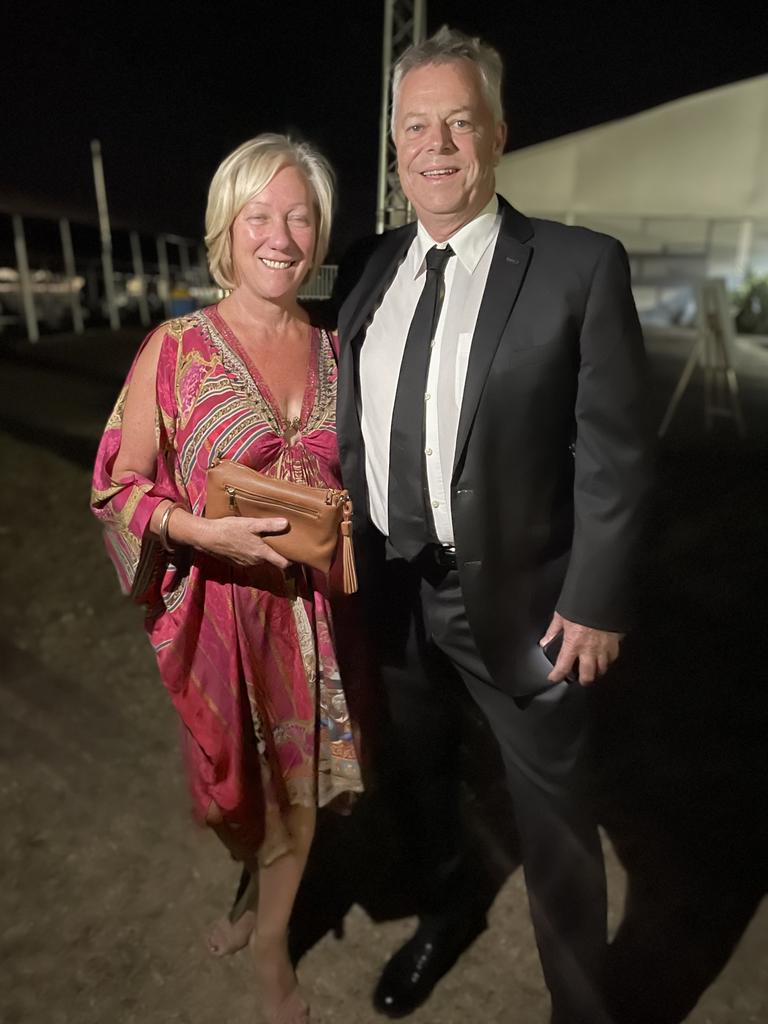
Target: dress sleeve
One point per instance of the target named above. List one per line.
(125, 508)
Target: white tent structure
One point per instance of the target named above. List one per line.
(683, 185)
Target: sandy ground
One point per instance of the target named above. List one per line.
(107, 886)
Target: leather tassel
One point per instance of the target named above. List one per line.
(348, 551)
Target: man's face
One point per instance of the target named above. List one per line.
(447, 145)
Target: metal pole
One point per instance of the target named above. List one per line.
(138, 272)
(71, 271)
(106, 235)
(744, 251)
(386, 69)
(405, 23)
(165, 274)
(25, 279)
(419, 21)
(709, 229)
(184, 259)
(204, 277)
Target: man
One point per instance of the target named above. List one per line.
(493, 439)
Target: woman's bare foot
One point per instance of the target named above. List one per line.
(281, 1000)
(228, 937)
(293, 1010)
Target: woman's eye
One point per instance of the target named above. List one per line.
(256, 218)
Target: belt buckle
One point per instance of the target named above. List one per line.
(445, 556)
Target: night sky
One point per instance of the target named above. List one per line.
(171, 88)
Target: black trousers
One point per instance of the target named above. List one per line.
(427, 650)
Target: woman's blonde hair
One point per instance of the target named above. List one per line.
(242, 175)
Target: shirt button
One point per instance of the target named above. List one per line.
(435, 504)
(427, 397)
(427, 451)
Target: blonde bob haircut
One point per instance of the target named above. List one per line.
(242, 175)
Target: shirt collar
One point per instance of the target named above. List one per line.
(469, 243)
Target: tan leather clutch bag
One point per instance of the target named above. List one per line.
(316, 515)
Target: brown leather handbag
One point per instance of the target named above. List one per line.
(316, 515)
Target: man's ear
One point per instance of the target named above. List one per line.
(500, 138)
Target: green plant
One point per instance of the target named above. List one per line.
(751, 304)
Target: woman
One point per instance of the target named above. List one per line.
(244, 641)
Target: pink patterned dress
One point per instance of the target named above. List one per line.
(246, 654)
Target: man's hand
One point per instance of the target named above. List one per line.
(595, 650)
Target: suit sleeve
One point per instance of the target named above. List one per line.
(613, 452)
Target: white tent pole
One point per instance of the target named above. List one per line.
(184, 259)
(202, 263)
(25, 279)
(165, 273)
(709, 234)
(71, 270)
(744, 249)
(106, 235)
(138, 271)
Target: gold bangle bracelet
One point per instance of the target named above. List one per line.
(162, 530)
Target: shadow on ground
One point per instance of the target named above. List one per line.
(679, 746)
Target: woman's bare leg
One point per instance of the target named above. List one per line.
(278, 884)
(231, 933)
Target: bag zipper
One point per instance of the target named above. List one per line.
(235, 492)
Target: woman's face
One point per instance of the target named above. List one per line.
(273, 237)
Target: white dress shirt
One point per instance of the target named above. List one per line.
(465, 277)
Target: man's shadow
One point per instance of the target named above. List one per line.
(680, 730)
(681, 734)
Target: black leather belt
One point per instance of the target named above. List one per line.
(442, 556)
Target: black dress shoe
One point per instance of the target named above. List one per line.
(409, 977)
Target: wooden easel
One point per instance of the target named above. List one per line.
(712, 350)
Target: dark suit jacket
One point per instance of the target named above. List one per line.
(552, 452)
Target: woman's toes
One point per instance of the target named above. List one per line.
(227, 937)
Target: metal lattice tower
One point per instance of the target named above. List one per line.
(405, 22)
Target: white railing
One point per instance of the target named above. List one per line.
(321, 284)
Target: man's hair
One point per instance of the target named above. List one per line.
(446, 46)
(242, 175)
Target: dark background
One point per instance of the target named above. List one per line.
(171, 88)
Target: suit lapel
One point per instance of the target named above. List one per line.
(376, 278)
(506, 275)
(355, 313)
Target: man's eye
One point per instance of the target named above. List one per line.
(461, 124)
(414, 128)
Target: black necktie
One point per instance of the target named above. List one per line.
(410, 520)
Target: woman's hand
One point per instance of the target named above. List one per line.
(239, 539)
(236, 539)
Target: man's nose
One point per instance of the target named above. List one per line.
(440, 138)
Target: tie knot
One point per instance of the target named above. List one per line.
(437, 258)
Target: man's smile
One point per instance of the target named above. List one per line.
(439, 172)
